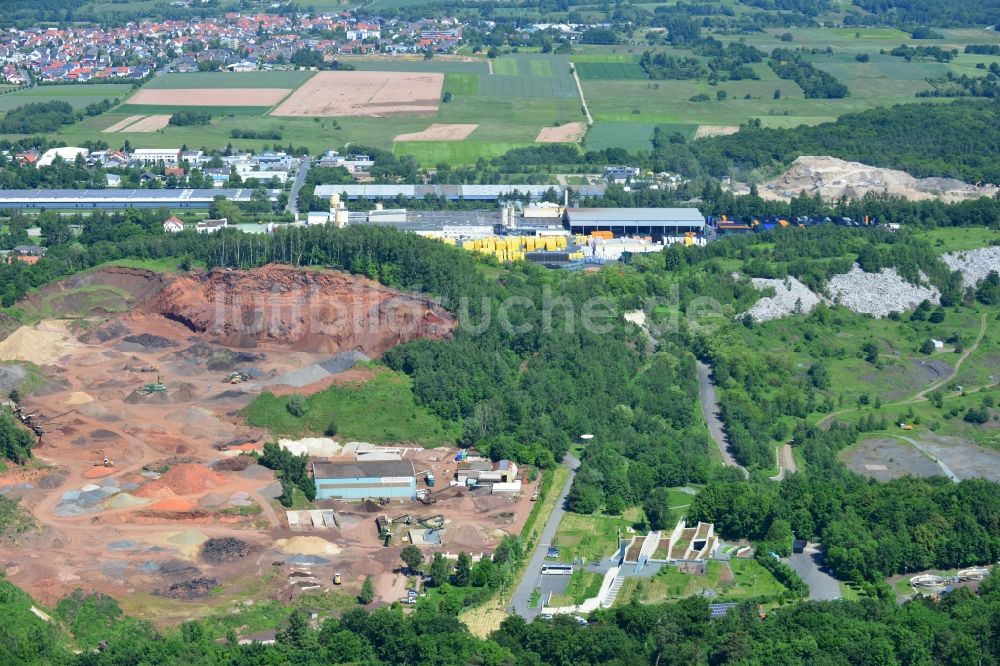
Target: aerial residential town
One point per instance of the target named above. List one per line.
(236, 42)
(493, 332)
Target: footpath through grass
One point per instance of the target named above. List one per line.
(380, 410)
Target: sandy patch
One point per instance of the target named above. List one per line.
(122, 124)
(704, 131)
(440, 132)
(568, 133)
(98, 472)
(320, 447)
(78, 398)
(365, 94)
(302, 545)
(173, 505)
(151, 123)
(209, 96)
(43, 344)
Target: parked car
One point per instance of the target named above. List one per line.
(552, 552)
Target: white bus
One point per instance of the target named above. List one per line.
(558, 569)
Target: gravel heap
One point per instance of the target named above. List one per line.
(150, 340)
(974, 264)
(790, 297)
(878, 294)
(225, 549)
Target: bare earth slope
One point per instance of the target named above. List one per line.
(833, 178)
(311, 311)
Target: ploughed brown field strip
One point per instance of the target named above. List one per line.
(365, 94)
(209, 96)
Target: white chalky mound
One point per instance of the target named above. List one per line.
(974, 265)
(878, 294)
(790, 297)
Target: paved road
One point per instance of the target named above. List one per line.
(808, 565)
(300, 179)
(520, 602)
(710, 408)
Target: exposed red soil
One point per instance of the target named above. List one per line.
(183, 479)
(314, 311)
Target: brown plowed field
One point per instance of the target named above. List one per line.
(365, 94)
(209, 96)
(440, 132)
(568, 133)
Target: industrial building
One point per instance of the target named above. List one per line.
(169, 156)
(454, 192)
(654, 222)
(117, 199)
(394, 479)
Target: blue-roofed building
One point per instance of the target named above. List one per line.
(394, 479)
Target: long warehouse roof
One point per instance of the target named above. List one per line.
(362, 469)
(354, 191)
(115, 195)
(579, 217)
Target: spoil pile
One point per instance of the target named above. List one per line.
(319, 447)
(833, 178)
(265, 306)
(790, 297)
(974, 264)
(11, 376)
(150, 340)
(304, 545)
(37, 345)
(878, 294)
(183, 479)
(191, 589)
(225, 549)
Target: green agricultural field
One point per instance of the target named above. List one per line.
(505, 67)
(288, 80)
(885, 79)
(608, 71)
(446, 65)
(630, 136)
(461, 84)
(78, 95)
(149, 109)
(602, 58)
(431, 153)
(379, 410)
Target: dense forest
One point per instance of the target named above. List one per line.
(814, 82)
(942, 13)
(962, 628)
(960, 140)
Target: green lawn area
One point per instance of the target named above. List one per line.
(381, 410)
(749, 580)
(78, 95)
(953, 239)
(591, 538)
(583, 585)
(288, 80)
